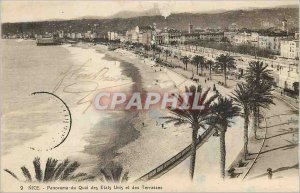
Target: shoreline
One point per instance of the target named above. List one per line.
(141, 150)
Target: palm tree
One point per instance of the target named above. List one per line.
(223, 112)
(226, 62)
(243, 97)
(261, 81)
(210, 64)
(196, 118)
(262, 98)
(185, 60)
(158, 49)
(114, 173)
(167, 52)
(146, 49)
(198, 60)
(54, 171)
(153, 47)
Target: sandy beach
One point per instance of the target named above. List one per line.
(104, 136)
(156, 145)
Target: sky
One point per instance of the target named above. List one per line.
(22, 10)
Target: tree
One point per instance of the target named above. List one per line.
(54, 171)
(223, 112)
(196, 118)
(158, 49)
(167, 52)
(261, 81)
(114, 173)
(198, 60)
(263, 98)
(185, 60)
(210, 64)
(296, 87)
(226, 62)
(146, 49)
(153, 47)
(242, 96)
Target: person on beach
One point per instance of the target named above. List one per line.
(270, 173)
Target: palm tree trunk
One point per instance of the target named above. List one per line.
(223, 152)
(258, 117)
(153, 53)
(255, 122)
(210, 72)
(246, 123)
(197, 69)
(225, 75)
(193, 152)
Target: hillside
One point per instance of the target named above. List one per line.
(254, 19)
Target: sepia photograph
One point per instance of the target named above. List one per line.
(149, 96)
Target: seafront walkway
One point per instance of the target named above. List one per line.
(280, 132)
(255, 146)
(279, 151)
(278, 136)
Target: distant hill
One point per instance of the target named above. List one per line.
(253, 19)
(130, 14)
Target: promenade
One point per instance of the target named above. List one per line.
(279, 130)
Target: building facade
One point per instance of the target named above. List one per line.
(289, 49)
(112, 35)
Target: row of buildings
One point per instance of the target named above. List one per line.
(278, 41)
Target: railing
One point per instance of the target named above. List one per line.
(175, 160)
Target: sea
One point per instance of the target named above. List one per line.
(40, 84)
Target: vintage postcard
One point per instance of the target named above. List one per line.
(149, 96)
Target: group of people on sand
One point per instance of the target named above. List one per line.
(157, 124)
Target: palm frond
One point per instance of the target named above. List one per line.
(125, 177)
(223, 112)
(68, 171)
(81, 177)
(38, 170)
(106, 176)
(59, 170)
(11, 173)
(26, 173)
(114, 173)
(50, 169)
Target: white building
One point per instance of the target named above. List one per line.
(133, 34)
(112, 35)
(78, 36)
(290, 49)
(288, 76)
(242, 38)
(73, 35)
